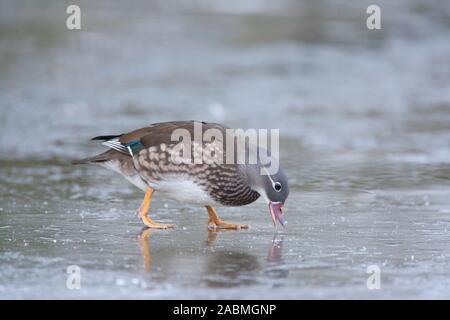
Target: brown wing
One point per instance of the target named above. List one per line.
(159, 133)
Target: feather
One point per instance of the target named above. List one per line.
(116, 145)
(103, 157)
(104, 138)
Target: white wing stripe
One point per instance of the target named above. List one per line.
(116, 145)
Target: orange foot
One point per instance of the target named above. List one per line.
(143, 213)
(214, 221)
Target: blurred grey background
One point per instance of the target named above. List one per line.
(364, 118)
(311, 68)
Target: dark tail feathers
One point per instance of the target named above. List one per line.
(106, 138)
(105, 156)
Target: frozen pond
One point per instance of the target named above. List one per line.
(365, 130)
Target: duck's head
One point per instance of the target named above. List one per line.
(273, 188)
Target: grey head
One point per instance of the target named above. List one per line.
(273, 188)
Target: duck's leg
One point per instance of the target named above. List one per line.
(143, 212)
(215, 222)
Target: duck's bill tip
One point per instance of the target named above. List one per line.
(276, 213)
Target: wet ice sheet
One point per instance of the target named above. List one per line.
(84, 217)
(364, 121)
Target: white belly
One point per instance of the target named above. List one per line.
(184, 191)
(179, 188)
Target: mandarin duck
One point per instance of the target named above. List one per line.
(145, 157)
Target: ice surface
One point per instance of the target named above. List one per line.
(364, 119)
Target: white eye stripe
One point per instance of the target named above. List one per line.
(267, 172)
(275, 184)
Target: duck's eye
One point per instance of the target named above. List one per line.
(277, 186)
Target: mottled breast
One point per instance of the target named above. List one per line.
(162, 168)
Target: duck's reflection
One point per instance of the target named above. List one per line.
(275, 265)
(144, 244)
(227, 267)
(276, 250)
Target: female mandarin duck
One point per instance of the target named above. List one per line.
(145, 158)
